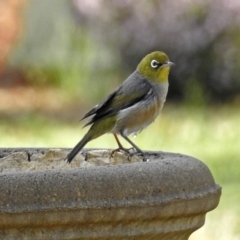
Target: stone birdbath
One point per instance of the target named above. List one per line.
(97, 197)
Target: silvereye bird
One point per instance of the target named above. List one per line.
(132, 106)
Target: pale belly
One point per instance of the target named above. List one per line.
(135, 119)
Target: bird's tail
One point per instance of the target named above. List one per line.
(97, 129)
(78, 147)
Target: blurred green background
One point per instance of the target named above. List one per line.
(59, 58)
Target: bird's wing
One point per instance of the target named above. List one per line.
(125, 96)
(95, 109)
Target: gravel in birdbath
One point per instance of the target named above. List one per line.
(46, 159)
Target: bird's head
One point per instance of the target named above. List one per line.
(155, 67)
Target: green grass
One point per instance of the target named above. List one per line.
(209, 134)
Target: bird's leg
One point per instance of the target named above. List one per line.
(118, 142)
(120, 147)
(135, 146)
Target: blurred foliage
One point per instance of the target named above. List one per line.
(201, 37)
(89, 47)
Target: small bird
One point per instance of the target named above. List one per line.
(132, 106)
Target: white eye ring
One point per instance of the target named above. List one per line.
(154, 63)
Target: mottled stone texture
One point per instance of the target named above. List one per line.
(165, 198)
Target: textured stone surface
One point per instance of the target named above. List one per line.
(165, 198)
(32, 160)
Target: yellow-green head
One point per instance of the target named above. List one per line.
(155, 66)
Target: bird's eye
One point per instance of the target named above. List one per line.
(154, 64)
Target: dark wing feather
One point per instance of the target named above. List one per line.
(95, 109)
(125, 96)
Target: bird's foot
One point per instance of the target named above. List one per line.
(126, 150)
(138, 154)
(129, 153)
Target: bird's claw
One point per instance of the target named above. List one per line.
(126, 150)
(138, 154)
(129, 154)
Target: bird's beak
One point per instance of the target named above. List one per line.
(168, 64)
